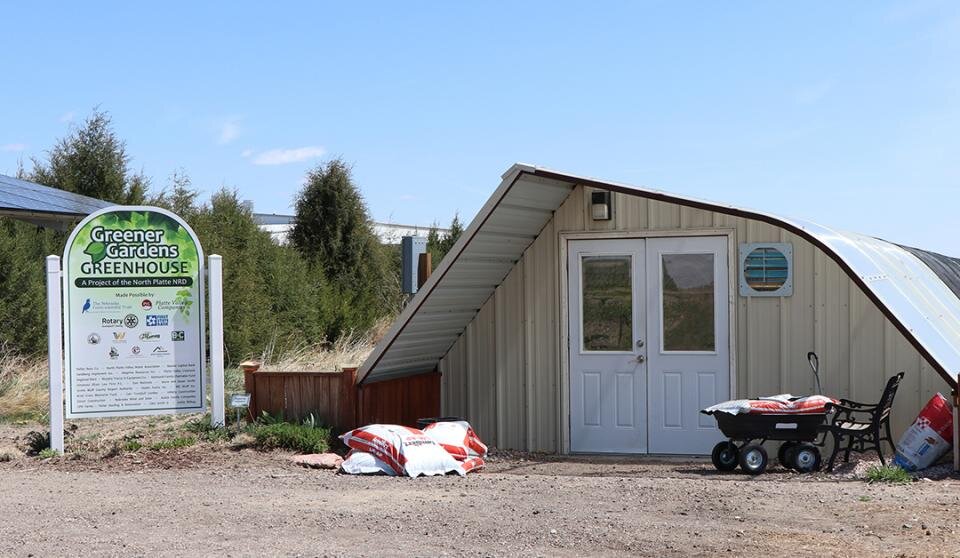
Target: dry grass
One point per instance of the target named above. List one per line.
(23, 385)
(350, 350)
(23, 380)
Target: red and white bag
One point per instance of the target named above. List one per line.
(458, 438)
(363, 463)
(929, 438)
(407, 451)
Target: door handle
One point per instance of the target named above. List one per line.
(641, 359)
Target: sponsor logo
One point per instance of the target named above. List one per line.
(149, 336)
(177, 335)
(91, 306)
(160, 350)
(157, 320)
(135, 349)
(175, 306)
(119, 335)
(146, 304)
(111, 322)
(114, 353)
(93, 339)
(131, 321)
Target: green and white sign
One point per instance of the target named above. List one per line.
(133, 309)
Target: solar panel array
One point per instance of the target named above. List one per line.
(18, 195)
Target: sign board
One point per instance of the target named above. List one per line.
(133, 315)
(240, 400)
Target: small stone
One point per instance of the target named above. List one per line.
(905, 526)
(553, 531)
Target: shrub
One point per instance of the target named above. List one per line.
(37, 442)
(303, 438)
(207, 431)
(888, 474)
(48, 453)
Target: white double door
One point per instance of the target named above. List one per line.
(649, 343)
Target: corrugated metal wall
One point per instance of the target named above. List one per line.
(503, 374)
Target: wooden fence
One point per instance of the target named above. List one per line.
(334, 399)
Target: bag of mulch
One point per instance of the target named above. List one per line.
(363, 463)
(929, 438)
(472, 464)
(407, 451)
(458, 438)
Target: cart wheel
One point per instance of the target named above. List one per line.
(805, 458)
(782, 454)
(725, 456)
(753, 459)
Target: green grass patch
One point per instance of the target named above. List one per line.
(304, 438)
(890, 474)
(206, 431)
(132, 445)
(174, 443)
(47, 453)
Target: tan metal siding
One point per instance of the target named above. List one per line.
(503, 374)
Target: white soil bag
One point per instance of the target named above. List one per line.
(458, 438)
(928, 438)
(407, 451)
(363, 463)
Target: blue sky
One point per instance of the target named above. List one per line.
(844, 113)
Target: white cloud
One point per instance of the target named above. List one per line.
(13, 147)
(229, 130)
(286, 156)
(67, 117)
(246, 153)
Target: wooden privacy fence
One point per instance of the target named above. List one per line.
(334, 399)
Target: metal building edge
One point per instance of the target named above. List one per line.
(911, 294)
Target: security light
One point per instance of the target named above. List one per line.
(600, 206)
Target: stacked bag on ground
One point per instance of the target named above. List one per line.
(438, 449)
(929, 437)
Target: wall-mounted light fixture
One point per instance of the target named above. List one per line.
(600, 208)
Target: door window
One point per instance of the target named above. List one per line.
(687, 302)
(607, 303)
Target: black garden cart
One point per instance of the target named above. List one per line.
(747, 431)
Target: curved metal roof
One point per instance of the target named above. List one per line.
(905, 284)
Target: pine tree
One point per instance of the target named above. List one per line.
(333, 231)
(91, 161)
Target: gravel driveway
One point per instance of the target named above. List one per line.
(200, 501)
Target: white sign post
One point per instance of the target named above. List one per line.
(132, 305)
(55, 353)
(217, 411)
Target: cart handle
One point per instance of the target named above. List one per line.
(814, 361)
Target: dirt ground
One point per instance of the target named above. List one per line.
(212, 499)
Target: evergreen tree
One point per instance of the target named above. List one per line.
(439, 244)
(333, 231)
(91, 161)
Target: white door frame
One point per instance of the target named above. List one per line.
(563, 405)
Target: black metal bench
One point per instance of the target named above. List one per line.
(862, 426)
